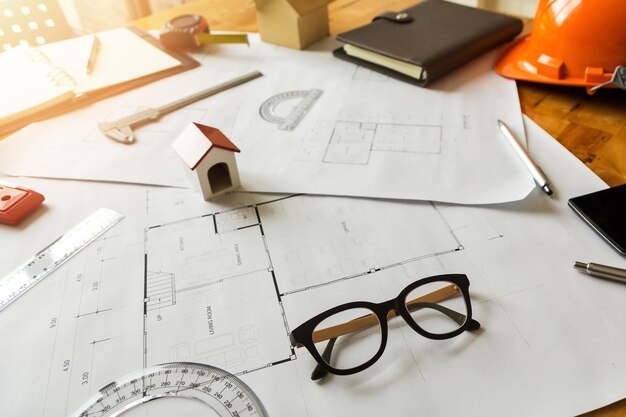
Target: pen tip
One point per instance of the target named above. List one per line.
(580, 265)
(547, 189)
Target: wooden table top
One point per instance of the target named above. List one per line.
(592, 127)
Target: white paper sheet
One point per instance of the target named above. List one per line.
(122, 56)
(367, 135)
(551, 341)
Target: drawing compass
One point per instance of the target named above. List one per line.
(304, 100)
(221, 392)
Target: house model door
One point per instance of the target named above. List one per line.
(219, 177)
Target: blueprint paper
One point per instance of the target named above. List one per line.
(551, 341)
(366, 135)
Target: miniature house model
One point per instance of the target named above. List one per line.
(292, 23)
(210, 158)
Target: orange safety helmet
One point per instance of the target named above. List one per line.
(573, 42)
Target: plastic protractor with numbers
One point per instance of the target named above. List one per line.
(272, 109)
(219, 392)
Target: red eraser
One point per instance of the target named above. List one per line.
(16, 203)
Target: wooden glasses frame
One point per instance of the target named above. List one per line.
(305, 335)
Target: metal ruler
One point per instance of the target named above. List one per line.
(218, 390)
(306, 100)
(46, 261)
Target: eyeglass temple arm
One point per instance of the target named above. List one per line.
(371, 319)
(318, 371)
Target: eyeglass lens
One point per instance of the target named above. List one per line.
(349, 338)
(437, 307)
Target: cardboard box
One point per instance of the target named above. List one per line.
(292, 23)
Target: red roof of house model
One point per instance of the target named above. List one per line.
(194, 144)
(217, 138)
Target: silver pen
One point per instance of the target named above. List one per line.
(602, 271)
(540, 178)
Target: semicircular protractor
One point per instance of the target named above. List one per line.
(289, 108)
(219, 391)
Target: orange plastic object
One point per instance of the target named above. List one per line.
(573, 42)
(17, 202)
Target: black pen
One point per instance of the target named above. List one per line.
(602, 271)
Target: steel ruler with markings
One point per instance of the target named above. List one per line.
(46, 261)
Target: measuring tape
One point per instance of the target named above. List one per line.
(307, 99)
(221, 391)
(192, 30)
(45, 262)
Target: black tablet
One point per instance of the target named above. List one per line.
(605, 212)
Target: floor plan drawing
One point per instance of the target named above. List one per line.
(221, 268)
(225, 286)
(368, 129)
(212, 259)
(353, 142)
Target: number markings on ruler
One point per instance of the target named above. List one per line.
(46, 261)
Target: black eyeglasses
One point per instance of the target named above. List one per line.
(436, 307)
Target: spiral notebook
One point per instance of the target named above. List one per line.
(28, 85)
(36, 80)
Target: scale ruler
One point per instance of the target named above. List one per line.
(46, 261)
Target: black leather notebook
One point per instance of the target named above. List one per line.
(435, 35)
